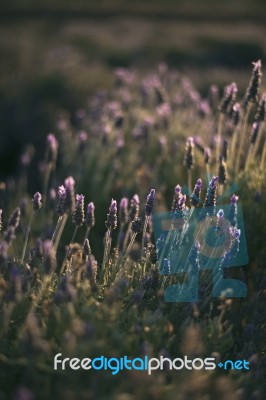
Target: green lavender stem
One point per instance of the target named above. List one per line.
(27, 236)
(59, 232)
(241, 138)
(86, 236)
(143, 235)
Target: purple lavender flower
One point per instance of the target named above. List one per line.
(69, 203)
(90, 218)
(188, 159)
(78, 215)
(210, 199)
(236, 113)
(123, 210)
(92, 269)
(230, 92)
(61, 200)
(134, 207)
(253, 89)
(52, 147)
(111, 222)
(195, 195)
(150, 203)
(177, 197)
(36, 201)
(15, 218)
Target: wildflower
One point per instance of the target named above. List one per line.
(78, 215)
(90, 217)
(61, 200)
(69, 203)
(195, 195)
(36, 201)
(134, 207)
(188, 159)
(92, 269)
(177, 197)
(123, 210)
(52, 148)
(15, 218)
(210, 199)
(111, 222)
(230, 92)
(261, 110)
(236, 113)
(254, 84)
(150, 203)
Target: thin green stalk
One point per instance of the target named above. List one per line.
(129, 247)
(219, 137)
(74, 234)
(27, 236)
(62, 224)
(259, 139)
(143, 236)
(86, 235)
(106, 252)
(241, 138)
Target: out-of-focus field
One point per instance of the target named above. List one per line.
(54, 54)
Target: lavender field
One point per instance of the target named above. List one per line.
(84, 271)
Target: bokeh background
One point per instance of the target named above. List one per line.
(54, 54)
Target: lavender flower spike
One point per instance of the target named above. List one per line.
(195, 196)
(90, 218)
(78, 215)
(177, 197)
(134, 207)
(111, 222)
(150, 203)
(69, 203)
(123, 210)
(52, 147)
(61, 201)
(37, 201)
(1, 220)
(210, 199)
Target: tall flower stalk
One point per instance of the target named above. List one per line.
(111, 224)
(36, 206)
(148, 212)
